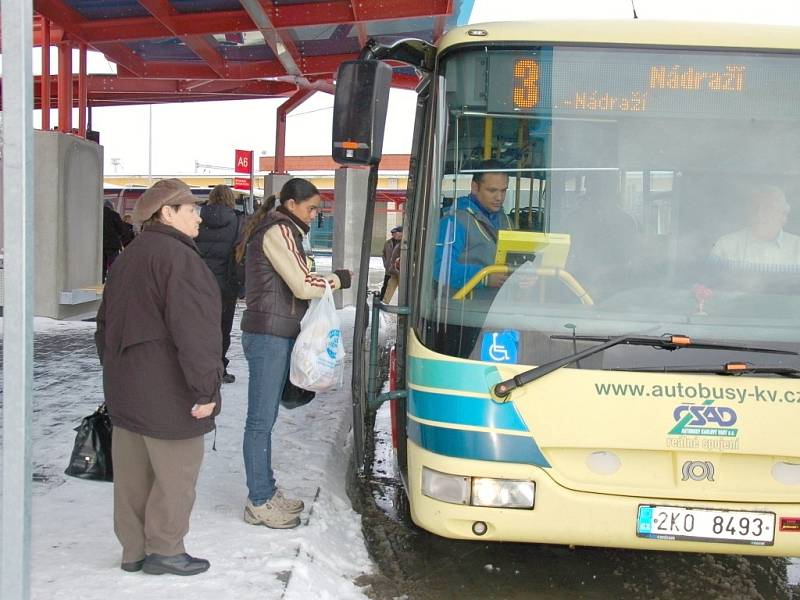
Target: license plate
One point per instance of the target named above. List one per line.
(704, 525)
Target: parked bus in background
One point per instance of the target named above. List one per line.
(123, 197)
(606, 377)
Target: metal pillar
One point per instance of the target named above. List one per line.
(44, 92)
(293, 102)
(274, 182)
(17, 31)
(65, 87)
(350, 208)
(83, 91)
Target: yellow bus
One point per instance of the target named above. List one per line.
(608, 354)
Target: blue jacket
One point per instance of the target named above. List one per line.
(467, 241)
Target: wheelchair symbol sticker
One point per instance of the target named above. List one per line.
(500, 346)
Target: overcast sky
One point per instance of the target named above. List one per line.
(209, 132)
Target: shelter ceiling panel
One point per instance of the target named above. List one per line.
(107, 9)
(190, 43)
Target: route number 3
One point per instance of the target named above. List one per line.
(526, 83)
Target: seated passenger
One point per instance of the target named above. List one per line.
(763, 245)
(603, 236)
(467, 238)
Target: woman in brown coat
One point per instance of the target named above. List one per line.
(158, 338)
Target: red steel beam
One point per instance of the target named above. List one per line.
(44, 83)
(59, 12)
(71, 20)
(296, 100)
(124, 57)
(103, 88)
(403, 9)
(333, 12)
(55, 34)
(103, 101)
(65, 87)
(142, 28)
(82, 91)
(316, 66)
(203, 46)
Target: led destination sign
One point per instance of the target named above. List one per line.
(629, 81)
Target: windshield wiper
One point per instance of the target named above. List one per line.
(726, 369)
(666, 342)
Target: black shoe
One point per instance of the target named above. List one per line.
(180, 564)
(228, 377)
(133, 566)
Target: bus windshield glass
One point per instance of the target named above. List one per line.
(609, 191)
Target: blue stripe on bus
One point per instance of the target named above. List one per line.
(476, 445)
(451, 375)
(479, 412)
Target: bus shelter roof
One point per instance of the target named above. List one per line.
(191, 50)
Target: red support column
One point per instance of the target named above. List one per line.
(44, 89)
(65, 87)
(83, 90)
(293, 102)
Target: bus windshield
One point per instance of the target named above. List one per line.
(608, 191)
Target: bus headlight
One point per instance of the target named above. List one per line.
(445, 487)
(502, 493)
(478, 491)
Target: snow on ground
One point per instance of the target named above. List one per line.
(75, 552)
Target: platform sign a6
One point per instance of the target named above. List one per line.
(244, 165)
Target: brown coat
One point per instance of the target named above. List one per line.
(394, 261)
(158, 336)
(388, 250)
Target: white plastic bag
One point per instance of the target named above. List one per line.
(317, 362)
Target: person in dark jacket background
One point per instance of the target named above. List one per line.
(158, 339)
(219, 233)
(391, 264)
(116, 235)
(392, 244)
(279, 285)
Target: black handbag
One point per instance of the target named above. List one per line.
(91, 454)
(294, 396)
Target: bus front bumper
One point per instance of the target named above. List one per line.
(569, 517)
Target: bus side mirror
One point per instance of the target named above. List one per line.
(359, 111)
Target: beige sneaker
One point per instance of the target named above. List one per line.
(288, 505)
(269, 515)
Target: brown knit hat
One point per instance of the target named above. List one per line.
(166, 192)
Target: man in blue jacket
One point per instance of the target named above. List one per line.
(466, 243)
(467, 240)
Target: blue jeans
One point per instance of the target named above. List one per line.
(268, 362)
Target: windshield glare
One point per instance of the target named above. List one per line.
(612, 191)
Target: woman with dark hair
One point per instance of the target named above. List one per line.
(116, 235)
(219, 233)
(278, 286)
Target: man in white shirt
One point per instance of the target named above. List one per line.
(763, 245)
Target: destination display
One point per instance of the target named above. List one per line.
(628, 81)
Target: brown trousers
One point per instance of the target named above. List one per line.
(154, 491)
(391, 286)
